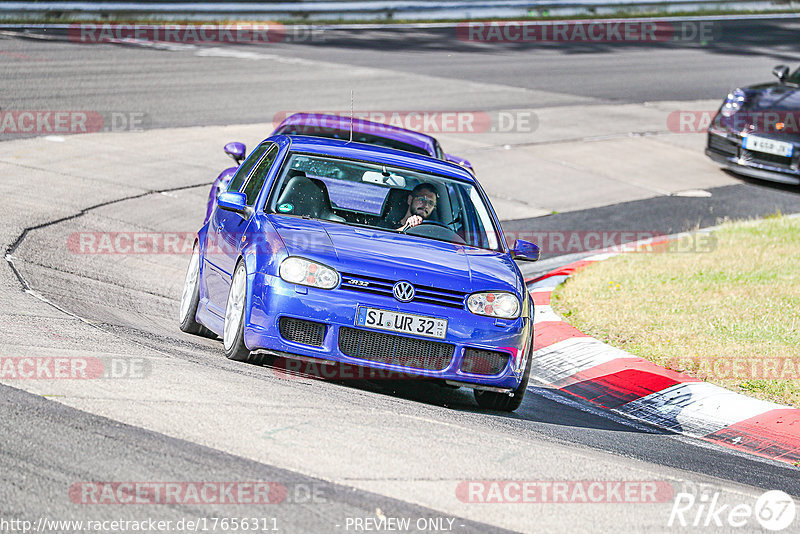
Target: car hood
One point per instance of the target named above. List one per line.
(775, 97)
(767, 106)
(395, 256)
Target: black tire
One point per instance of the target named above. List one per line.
(234, 348)
(501, 402)
(191, 299)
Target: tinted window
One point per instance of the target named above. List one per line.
(256, 181)
(241, 174)
(358, 137)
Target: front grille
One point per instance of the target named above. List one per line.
(383, 286)
(396, 350)
(767, 159)
(300, 331)
(721, 144)
(484, 362)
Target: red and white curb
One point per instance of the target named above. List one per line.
(615, 380)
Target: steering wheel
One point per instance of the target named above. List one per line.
(428, 221)
(436, 230)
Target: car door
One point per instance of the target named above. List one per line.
(215, 279)
(230, 227)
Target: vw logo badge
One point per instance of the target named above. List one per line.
(403, 291)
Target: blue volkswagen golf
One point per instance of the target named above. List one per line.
(326, 250)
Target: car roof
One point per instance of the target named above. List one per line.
(376, 154)
(388, 131)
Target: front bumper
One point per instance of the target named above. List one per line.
(727, 150)
(273, 299)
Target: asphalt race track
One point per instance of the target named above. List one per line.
(349, 455)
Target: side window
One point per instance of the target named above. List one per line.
(241, 174)
(256, 181)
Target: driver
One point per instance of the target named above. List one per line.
(421, 203)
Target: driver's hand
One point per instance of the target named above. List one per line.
(413, 221)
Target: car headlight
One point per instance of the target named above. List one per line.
(494, 304)
(733, 103)
(308, 273)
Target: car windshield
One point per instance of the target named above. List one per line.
(314, 130)
(360, 193)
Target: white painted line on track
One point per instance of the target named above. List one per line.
(543, 313)
(549, 283)
(564, 359)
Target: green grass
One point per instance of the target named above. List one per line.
(727, 315)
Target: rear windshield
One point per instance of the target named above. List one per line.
(358, 137)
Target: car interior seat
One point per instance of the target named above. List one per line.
(308, 197)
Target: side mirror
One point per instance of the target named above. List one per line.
(781, 72)
(233, 201)
(236, 150)
(525, 251)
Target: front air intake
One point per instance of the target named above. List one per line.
(484, 362)
(301, 331)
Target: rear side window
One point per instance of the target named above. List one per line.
(256, 181)
(241, 174)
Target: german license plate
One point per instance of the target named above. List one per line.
(405, 323)
(769, 146)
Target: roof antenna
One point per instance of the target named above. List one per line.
(351, 116)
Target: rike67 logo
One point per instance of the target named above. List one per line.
(775, 510)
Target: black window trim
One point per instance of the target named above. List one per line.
(273, 145)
